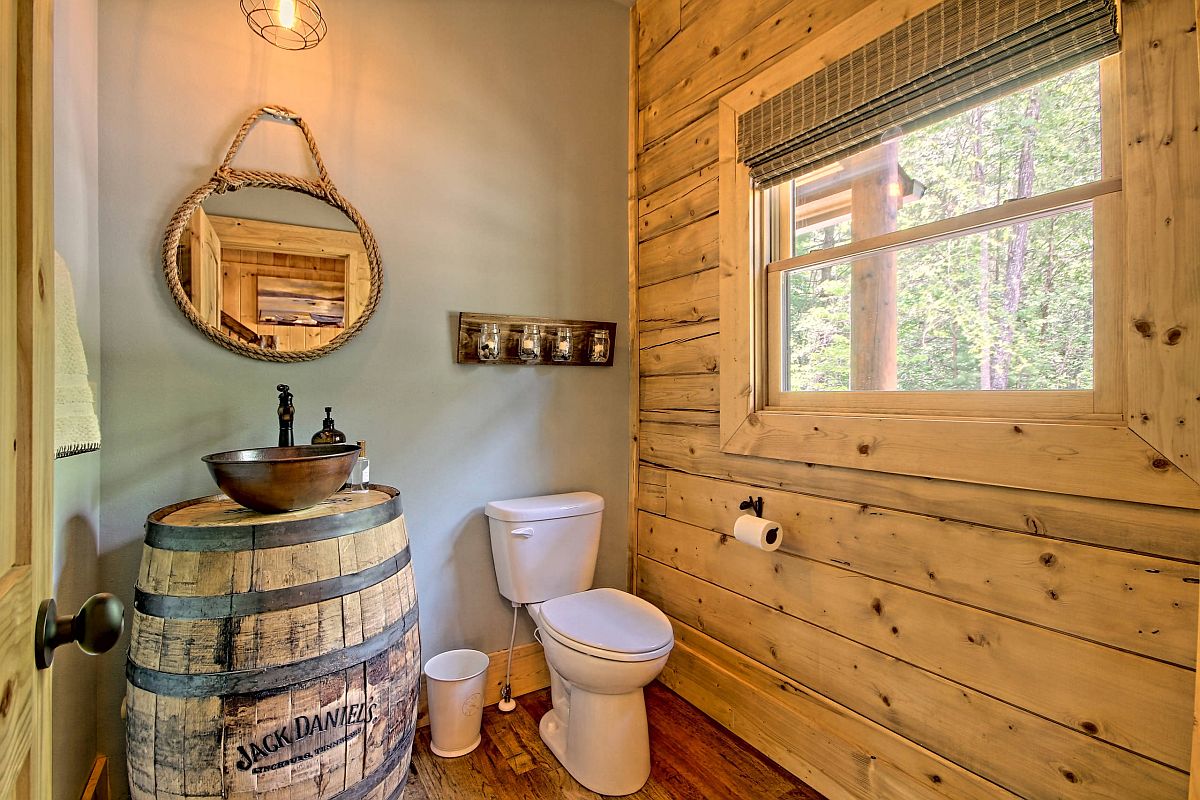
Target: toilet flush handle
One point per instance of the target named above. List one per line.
(523, 533)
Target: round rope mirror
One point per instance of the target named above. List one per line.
(272, 277)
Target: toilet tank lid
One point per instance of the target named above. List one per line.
(549, 506)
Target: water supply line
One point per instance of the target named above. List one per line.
(506, 702)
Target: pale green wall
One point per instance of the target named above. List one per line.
(77, 479)
(484, 141)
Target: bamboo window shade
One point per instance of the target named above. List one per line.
(957, 55)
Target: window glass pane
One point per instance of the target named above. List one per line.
(1032, 142)
(1009, 308)
(816, 317)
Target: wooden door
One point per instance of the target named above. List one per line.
(26, 390)
(205, 263)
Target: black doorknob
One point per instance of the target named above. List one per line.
(96, 628)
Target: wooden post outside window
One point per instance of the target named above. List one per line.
(875, 196)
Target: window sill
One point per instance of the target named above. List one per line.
(1092, 458)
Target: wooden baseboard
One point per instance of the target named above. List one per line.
(97, 783)
(529, 673)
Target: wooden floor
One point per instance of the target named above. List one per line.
(693, 759)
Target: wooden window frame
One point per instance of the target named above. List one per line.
(1073, 448)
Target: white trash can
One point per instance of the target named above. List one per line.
(455, 681)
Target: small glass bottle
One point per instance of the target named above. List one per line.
(489, 341)
(531, 343)
(328, 434)
(360, 475)
(600, 347)
(562, 345)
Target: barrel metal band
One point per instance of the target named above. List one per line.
(242, 604)
(260, 536)
(174, 684)
(399, 793)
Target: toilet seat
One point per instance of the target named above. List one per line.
(608, 624)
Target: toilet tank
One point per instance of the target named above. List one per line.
(546, 546)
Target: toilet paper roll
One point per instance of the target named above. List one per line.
(761, 533)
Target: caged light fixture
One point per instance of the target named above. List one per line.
(287, 24)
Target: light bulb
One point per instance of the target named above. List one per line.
(287, 13)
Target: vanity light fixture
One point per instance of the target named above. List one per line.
(520, 340)
(287, 24)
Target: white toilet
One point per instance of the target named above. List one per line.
(602, 645)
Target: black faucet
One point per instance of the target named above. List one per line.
(287, 413)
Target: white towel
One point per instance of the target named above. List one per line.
(76, 429)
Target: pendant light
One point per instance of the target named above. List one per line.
(287, 24)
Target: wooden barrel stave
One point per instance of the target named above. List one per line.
(212, 645)
(178, 572)
(187, 747)
(269, 639)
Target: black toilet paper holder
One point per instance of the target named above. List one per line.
(753, 503)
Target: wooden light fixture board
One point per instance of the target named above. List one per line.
(511, 328)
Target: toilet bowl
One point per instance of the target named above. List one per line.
(602, 645)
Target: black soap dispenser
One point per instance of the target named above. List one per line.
(328, 434)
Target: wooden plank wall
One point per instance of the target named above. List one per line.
(913, 638)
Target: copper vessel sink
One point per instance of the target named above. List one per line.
(276, 479)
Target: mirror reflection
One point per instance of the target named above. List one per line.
(273, 268)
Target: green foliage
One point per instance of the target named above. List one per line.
(819, 329)
(994, 308)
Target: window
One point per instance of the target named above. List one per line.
(1131, 436)
(953, 260)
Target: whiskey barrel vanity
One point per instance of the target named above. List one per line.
(274, 655)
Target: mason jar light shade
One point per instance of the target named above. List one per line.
(600, 347)
(489, 341)
(562, 345)
(531, 343)
(287, 24)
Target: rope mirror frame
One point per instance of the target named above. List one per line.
(225, 179)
